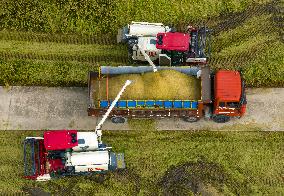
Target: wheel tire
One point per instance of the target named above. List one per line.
(191, 119)
(118, 119)
(221, 118)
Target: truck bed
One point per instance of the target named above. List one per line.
(138, 107)
(162, 85)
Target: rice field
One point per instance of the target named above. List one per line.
(231, 163)
(239, 42)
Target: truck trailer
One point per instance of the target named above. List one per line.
(222, 96)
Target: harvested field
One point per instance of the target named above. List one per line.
(163, 163)
(162, 85)
(200, 178)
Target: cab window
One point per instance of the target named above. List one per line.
(153, 41)
(232, 104)
(81, 141)
(222, 104)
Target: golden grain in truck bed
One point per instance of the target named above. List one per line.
(161, 85)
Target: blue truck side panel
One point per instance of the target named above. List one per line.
(177, 104)
(187, 104)
(103, 104)
(148, 104)
(194, 105)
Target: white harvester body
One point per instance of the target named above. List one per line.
(90, 161)
(148, 45)
(69, 152)
(140, 29)
(87, 141)
(146, 29)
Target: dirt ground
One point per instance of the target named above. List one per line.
(199, 178)
(39, 108)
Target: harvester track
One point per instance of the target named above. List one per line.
(58, 38)
(55, 57)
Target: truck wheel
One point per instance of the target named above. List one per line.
(221, 118)
(191, 119)
(118, 119)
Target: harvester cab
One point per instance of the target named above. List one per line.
(184, 48)
(69, 152)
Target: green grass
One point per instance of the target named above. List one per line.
(46, 73)
(253, 46)
(58, 37)
(244, 163)
(52, 48)
(247, 37)
(105, 17)
(20, 72)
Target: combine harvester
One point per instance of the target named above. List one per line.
(69, 152)
(162, 45)
(222, 96)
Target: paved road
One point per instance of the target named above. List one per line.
(37, 108)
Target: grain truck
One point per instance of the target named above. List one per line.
(222, 95)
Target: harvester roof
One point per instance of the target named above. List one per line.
(60, 139)
(228, 85)
(173, 41)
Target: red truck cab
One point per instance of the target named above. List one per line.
(229, 96)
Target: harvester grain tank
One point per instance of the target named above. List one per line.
(141, 34)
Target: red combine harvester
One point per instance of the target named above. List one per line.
(157, 43)
(69, 152)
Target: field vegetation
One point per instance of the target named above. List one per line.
(105, 17)
(252, 43)
(48, 73)
(247, 36)
(53, 48)
(173, 162)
